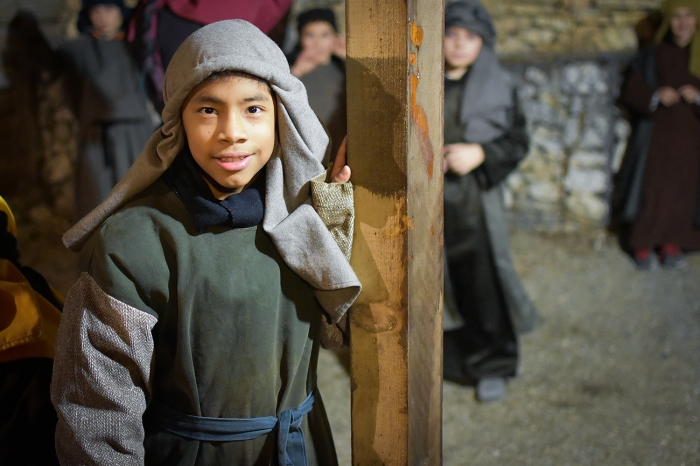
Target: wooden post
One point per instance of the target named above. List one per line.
(395, 99)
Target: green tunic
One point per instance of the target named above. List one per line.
(236, 332)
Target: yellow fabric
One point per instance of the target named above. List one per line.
(667, 8)
(28, 322)
(11, 224)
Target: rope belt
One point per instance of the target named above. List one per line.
(291, 447)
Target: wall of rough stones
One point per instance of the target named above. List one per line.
(578, 138)
(565, 56)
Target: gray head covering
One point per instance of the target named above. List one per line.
(472, 15)
(487, 96)
(298, 233)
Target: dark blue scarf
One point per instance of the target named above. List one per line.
(241, 210)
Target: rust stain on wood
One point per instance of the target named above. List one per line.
(405, 224)
(420, 120)
(416, 34)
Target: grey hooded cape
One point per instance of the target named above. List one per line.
(296, 230)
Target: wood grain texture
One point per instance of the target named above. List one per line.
(395, 139)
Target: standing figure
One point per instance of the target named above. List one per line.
(659, 181)
(485, 139)
(108, 100)
(319, 62)
(192, 337)
(158, 27)
(30, 311)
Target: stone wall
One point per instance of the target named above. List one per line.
(578, 137)
(536, 29)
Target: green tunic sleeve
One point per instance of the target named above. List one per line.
(129, 256)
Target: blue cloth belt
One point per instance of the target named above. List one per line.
(291, 447)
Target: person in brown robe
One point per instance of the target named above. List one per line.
(663, 89)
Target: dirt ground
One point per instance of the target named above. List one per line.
(611, 378)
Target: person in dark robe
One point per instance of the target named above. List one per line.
(158, 27)
(108, 99)
(318, 61)
(485, 139)
(658, 188)
(211, 275)
(30, 311)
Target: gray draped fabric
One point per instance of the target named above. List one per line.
(298, 233)
(486, 99)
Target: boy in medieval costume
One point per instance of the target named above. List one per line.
(659, 182)
(192, 337)
(108, 100)
(485, 139)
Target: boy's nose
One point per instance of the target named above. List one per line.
(233, 129)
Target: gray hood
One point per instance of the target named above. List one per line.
(299, 234)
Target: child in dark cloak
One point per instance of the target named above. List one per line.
(192, 337)
(659, 181)
(30, 310)
(485, 139)
(108, 99)
(318, 62)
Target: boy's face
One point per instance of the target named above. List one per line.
(106, 19)
(230, 128)
(683, 25)
(462, 47)
(319, 38)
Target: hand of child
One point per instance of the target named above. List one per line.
(307, 60)
(340, 173)
(669, 96)
(689, 93)
(339, 49)
(462, 158)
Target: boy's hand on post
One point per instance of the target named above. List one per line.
(340, 172)
(689, 93)
(669, 96)
(462, 158)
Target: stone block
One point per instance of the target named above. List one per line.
(547, 139)
(618, 155)
(620, 39)
(572, 131)
(588, 206)
(536, 76)
(586, 181)
(592, 139)
(586, 160)
(544, 191)
(538, 36)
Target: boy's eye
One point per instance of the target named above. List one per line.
(254, 110)
(208, 111)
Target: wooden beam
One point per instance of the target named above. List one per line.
(395, 99)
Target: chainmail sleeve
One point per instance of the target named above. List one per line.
(334, 203)
(101, 378)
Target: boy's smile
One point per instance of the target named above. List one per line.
(230, 127)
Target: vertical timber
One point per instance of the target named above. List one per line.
(394, 86)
